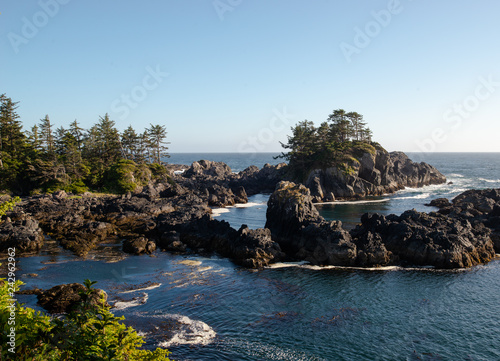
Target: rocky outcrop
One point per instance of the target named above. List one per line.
(422, 239)
(478, 207)
(414, 238)
(139, 245)
(22, 232)
(66, 298)
(302, 233)
(372, 174)
(255, 180)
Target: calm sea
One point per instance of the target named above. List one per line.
(295, 311)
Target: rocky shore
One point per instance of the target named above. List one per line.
(175, 216)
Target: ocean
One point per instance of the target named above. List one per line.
(296, 311)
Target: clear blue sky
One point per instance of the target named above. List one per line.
(425, 74)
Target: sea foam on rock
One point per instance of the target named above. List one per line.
(414, 238)
(373, 174)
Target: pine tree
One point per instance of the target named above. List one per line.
(77, 132)
(47, 136)
(156, 135)
(341, 126)
(130, 143)
(357, 125)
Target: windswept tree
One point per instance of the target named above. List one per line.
(302, 146)
(12, 139)
(341, 125)
(78, 133)
(47, 136)
(156, 135)
(357, 125)
(335, 143)
(130, 143)
(108, 141)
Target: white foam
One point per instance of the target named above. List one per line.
(456, 175)
(418, 196)
(143, 289)
(489, 180)
(137, 301)
(191, 332)
(218, 211)
(306, 265)
(287, 264)
(355, 202)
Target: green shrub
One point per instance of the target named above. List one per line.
(119, 178)
(77, 187)
(8, 205)
(89, 333)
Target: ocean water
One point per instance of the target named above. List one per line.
(295, 311)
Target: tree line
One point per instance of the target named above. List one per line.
(335, 143)
(47, 158)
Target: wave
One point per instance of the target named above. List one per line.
(143, 289)
(306, 265)
(187, 331)
(456, 175)
(136, 301)
(418, 196)
(355, 202)
(218, 211)
(489, 180)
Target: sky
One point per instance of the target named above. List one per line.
(235, 75)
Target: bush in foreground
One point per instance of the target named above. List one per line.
(88, 333)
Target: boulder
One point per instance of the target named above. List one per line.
(139, 245)
(68, 297)
(253, 248)
(22, 232)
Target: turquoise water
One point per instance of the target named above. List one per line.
(300, 312)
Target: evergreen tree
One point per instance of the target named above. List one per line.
(77, 133)
(341, 126)
(108, 141)
(357, 125)
(47, 136)
(130, 143)
(156, 136)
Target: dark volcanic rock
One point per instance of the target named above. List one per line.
(374, 174)
(290, 209)
(208, 169)
(439, 202)
(67, 297)
(139, 245)
(416, 238)
(302, 233)
(254, 248)
(22, 232)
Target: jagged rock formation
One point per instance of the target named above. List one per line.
(67, 297)
(414, 238)
(302, 233)
(21, 232)
(374, 174)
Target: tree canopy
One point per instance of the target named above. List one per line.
(335, 143)
(47, 158)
